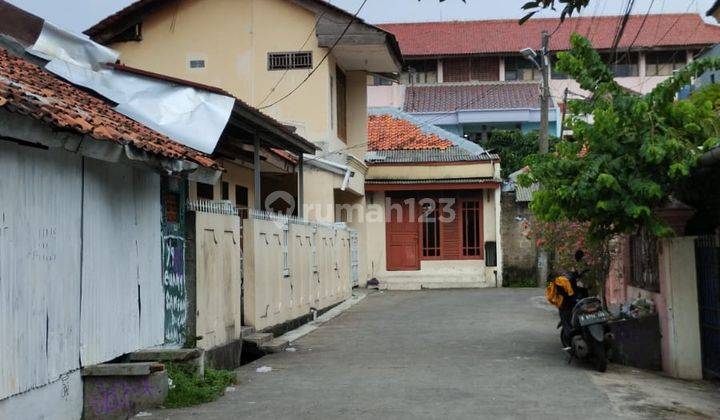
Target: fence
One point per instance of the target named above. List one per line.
(292, 266)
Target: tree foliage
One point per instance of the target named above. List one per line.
(513, 147)
(568, 7)
(628, 151)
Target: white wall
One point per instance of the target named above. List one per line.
(80, 273)
(122, 295)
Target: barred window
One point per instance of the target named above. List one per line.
(290, 60)
(644, 263)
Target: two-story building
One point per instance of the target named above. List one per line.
(303, 62)
(469, 77)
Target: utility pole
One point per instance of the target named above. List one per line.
(545, 95)
(544, 141)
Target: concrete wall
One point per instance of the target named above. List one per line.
(218, 279)
(681, 327)
(316, 275)
(520, 252)
(676, 303)
(61, 399)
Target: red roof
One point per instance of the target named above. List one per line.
(507, 36)
(388, 133)
(29, 90)
(449, 97)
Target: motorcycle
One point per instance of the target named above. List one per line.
(586, 335)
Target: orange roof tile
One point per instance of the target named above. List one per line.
(388, 133)
(27, 89)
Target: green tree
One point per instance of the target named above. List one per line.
(513, 147)
(628, 151)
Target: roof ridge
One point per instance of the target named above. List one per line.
(515, 20)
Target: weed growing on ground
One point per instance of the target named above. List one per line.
(189, 389)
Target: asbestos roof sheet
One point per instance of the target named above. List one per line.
(27, 89)
(507, 36)
(448, 97)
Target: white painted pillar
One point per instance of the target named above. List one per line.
(641, 65)
(501, 66)
(681, 322)
(440, 71)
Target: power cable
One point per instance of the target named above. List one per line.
(337, 41)
(282, 77)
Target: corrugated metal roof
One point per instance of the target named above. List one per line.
(27, 89)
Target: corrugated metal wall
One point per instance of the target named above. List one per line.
(41, 302)
(40, 198)
(122, 296)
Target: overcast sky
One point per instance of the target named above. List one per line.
(78, 15)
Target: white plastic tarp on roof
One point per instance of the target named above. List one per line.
(193, 117)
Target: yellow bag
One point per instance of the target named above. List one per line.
(553, 294)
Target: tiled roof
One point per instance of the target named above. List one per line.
(396, 137)
(479, 96)
(506, 36)
(29, 90)
(386, 132)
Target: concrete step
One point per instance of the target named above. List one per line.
(164, 355)
(275, 345)
(258, 338)
(396, 284)
(122, 369)
(246, 331)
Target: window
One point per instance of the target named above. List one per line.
(663, 63)
(519, 68)
(471, 228)
(341, 104)
(430, 230)
(197, 64)
(375, 80)
(644, 263)
(471, 69)
(625, 65)
(241, 196)
(225, 191)
(421, 71)
(205, 191)
(290, 60)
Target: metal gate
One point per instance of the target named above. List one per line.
(354, 258)
(707, 255)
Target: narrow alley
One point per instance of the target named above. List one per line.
(446, 354)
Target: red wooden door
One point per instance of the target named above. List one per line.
(403, 236)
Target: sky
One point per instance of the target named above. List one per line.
(78, 15)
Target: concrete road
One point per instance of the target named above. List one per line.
(456, 354)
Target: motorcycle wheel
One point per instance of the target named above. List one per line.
(600, 356)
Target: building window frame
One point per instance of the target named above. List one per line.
(664, 63)
(341, 103)
(289, 60)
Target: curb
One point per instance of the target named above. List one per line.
(290, 336)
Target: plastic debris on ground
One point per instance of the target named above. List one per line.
(291, 349)
(263, 369)
(230, 389)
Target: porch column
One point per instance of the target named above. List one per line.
(301, 186)
(257, 193)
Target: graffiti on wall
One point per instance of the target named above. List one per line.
(175, 290)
